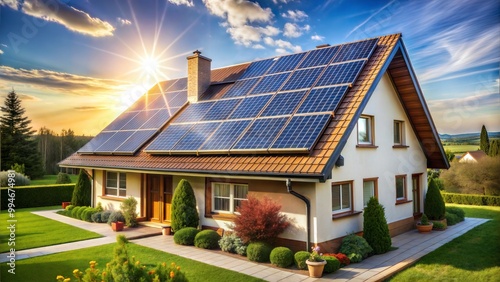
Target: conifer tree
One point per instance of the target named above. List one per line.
(494, 148)
(184, 212)
(484, 142)
(18, 144)
(81, 192)
(375, 228)
(434, 206)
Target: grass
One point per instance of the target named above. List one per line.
(46, 268)
(461, 148)
(34, 231)
(470, 257)
(51, 179)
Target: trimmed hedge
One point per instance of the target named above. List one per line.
(259, 251)
(471, 199)
(281, 257)
(185, 236)
(207, 239)
(38, 196)
(332, 264)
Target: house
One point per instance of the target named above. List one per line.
(320, 132)
(473, 156)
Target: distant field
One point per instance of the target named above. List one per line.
(51, 179)
(461, 148)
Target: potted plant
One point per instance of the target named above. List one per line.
(315, 264)
(424, 225)
(117, 225)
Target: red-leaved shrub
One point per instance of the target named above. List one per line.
(344, 260)
(259, 220)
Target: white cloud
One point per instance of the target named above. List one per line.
(296, 15)
(258, 46)
(73, 19)
(182, 2)
(282, 46)
(123, 22)
(317, 37)
(9, 3)
(294, 30)
(1, 52)
(239, 12)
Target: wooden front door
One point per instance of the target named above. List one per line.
(415, 187)
(159, 197)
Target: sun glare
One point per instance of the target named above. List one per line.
(150, 66)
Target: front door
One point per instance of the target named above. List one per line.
(415, 186)
(159, 197)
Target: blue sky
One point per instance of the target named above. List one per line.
(78, 64)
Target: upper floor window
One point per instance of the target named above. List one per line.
(226, 197)
(398, 132)
(341, 197)
(116, 184)
(365, 130)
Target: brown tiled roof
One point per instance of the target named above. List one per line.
(477, 155)
(388, 56)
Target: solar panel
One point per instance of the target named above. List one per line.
(286, 63)
(221, 110)
(179, 84)
(167, 139)
(96, 142)
(158, 120)
(196, 136)
(132, 144)
(341, 73)
(114, 142)
(158, 103)
(301, 79)
(301, 133)
(194, 112)
(250, 107)
(241, 87)
(120, 121)
(177, 99)
(356, 50)
(319, 57)
(138, 120)
(270, 83)
(284, 103)
(257, 68)
(140, 104)
(225, 136)
(261, 134)
(323, 99)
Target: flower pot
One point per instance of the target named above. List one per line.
(166, 230)
(117, 226)
(65, 204)
(424, 228)
(315, 268)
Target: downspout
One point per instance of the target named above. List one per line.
(308, 210)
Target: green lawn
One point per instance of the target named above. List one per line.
(46, 268)
(34, 231)
(459, 149)
(51, 179)
(473, 256)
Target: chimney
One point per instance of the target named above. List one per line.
(198, 75)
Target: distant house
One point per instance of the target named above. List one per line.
(473, 156)
(328, 128)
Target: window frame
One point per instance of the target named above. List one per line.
(400, 124)
(351, 200)
(403, 199)
(232, 198)
(375, 189)
(118, 187)
(209, 213)
(370, 123)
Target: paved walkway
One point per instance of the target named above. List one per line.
(411, 246)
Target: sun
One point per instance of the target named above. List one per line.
(150, 66)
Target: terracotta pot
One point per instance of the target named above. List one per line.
(166, 230)
(117, 226)
(65, 204)
(424, 228)
(315, 268)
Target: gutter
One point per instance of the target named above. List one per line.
(308, 210)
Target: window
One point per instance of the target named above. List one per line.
(341, 197)
(365, 130)
(116, 184)
(398, 133)
(369, 189)
(401, 188)
(228, 196)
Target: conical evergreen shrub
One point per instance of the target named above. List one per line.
(184, 212)
(434, 206)
(81, 192)
(376, 230)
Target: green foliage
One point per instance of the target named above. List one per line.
(75, 211)
(494, 148)
(449, 155)
(355, 248)
(375, 228)
(259, 251)
(484, 141)
(129, 207)
(97, 217)
(233, 244)
(87, 214)
(82, 193)
(207, 239)
(452, 219)
(300, 258)
(468, 199)
(281, 257)
(105, 216)
(424, 220)
(185, 236)
(115, 216)
(481, 178)
(438, 226)
(63, 178)
(19, 168)
(457, 211)
(19, 179)
(259, 220)
(69, 207)
(99, 207)
(434, 206)
(184, 212)
(38, 196)
(332, 264)
(79, 212)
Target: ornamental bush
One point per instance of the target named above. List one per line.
(281, 257)
(184, 212)
(69, 207)
(63, 178)
(332, 264)
(97, 217)
(259, 251)
(300, 258)
(375, 228)
(344, 260)
(79, 212)
(233, 244)
(456, 211)
(433, 204)
(81, 192)
(74, 211)
(116, 216)
(20, 179)
(87, 214)
(355, 248)
(207, 239)
(128, 208)
(259, 220)
(105, 216)
(452, 219)
(185, 236)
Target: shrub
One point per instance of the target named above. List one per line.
(38, 196)
(344, 260)
(74, 211)
(87, 214)
(207, 239)
(20, 179)
(128, 207)
(355, 248)
(69, 207)
(259, 251)
(433, 204)
(63, 178)
(300, 258)
(79, 213)
(105, 216)
(452, 219)
(281, 257)
(376, 230)
(438, 226)
(185, 236)
(99, 207)
(424, 220)
(233, 244)
(470, 199)
(116, 216)
(481, 178)
(332, 264)
(456, 211)
(97, 217)
(81, 193)
(184, 212)
(259, 220)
